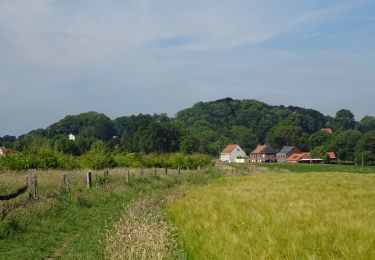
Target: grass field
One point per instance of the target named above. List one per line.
(301, 168)
(74, 225)
(279, 215)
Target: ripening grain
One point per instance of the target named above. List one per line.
(271, 216)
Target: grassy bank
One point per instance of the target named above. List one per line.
(73, 224)
(288, 215)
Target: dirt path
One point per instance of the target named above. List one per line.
(56, 252)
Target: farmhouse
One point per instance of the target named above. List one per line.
(298, 157)
(263, 153)
(5, 151)
(233, 154)
(286, 152)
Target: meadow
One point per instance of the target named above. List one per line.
(221, 212)
(76, 224)
(279, 215)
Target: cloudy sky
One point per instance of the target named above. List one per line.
(123, 57)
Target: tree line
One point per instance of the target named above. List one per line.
(207, 127)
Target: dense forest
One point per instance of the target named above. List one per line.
(208, 127)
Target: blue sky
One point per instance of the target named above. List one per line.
(141, 56)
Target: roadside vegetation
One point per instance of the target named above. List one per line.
(279, 215)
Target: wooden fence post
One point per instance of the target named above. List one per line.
(166, 170)
(89, 180)
(127, 176)
(66, 182)
(142, 174)
(33, 185)
(179, 170)
(154, 171)
(106, 174)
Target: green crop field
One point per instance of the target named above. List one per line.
(279, 215)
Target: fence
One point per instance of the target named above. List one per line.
(127, 175)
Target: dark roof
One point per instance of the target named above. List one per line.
(286, 149)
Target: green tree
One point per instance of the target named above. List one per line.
(344, 144)
(344, 120)
(284, 133)
(367, 124)
(244, 137)
(365, 149)
(318, 139)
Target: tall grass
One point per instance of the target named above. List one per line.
(273, 216)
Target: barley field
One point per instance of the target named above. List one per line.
(279, 215)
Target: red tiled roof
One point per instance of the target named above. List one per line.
(332, 155)
(298, 156)
(264, 149)
(259, 149)
(229, 148)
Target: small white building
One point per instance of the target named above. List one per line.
(233, 154)
(71, 137)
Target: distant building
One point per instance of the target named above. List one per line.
(5, 151)
(298, 157)
(327, 130)
(332, 157)
(286, 152)
(233, 153)
(263, 153)
(71, 137)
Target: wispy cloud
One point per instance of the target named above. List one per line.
(113, 55)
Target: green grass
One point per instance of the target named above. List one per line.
(35, 230)
(283, 215)
(301, 168)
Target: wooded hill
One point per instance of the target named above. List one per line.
(207, 127)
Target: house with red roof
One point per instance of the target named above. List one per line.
(5, 151)
(263, 153)
(233, 153)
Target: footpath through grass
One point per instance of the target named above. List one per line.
(72, 225)
(283, 215)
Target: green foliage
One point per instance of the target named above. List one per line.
(365, 149)
(318, 139)
(98, 157)
(284, 133)
(344, 120)
(367, 124)
(344, 144)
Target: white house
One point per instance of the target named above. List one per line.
(71, 137)
(233, 154)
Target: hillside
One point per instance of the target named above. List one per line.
(206, 127)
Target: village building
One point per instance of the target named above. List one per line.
(298, 158)
(71, 137)
(233, 154)
(263, 153)
(327, 130)
(286, 152)
(5, 151)
(332, 157)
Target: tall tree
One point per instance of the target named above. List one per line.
(344, 120)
